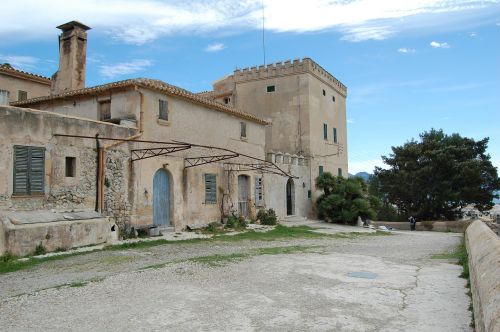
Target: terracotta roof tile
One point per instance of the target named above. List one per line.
(152, 84)
(8, 69)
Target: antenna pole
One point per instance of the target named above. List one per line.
(263, 34)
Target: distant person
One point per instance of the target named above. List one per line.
(413, 223)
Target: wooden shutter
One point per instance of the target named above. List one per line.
(37, 170)
(259, 193)
(210, 188)
(163, 110)
(21, 167)
(243, 129)
(105, 110)
(29, 170)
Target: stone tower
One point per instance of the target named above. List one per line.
(72, 54)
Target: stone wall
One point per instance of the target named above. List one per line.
(116, 202)
(483, 247)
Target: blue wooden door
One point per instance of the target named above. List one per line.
(161, 199)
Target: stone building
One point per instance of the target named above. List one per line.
(16, 85)
(307, 108)
(142, 151)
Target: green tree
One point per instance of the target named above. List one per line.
(343, 200)
(433, 177)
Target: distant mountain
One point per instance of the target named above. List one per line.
(364, 175)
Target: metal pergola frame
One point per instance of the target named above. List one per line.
(169, 148)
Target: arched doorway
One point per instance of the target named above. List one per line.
(161, 198)
(243, 194)
(290, 197)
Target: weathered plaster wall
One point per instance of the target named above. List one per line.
(124, 104)
(483, 247)
(14, 84)
(36, 128)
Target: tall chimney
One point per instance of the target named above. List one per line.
(72, 54)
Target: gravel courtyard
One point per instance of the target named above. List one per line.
(365, 283)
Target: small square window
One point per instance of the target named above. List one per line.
(227, 100)
(324, 92)
(22, 95)
(163, 110)
(271, 88)
(243, 130)
(70, 167)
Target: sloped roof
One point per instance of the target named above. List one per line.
(9, 70)
(152, 84)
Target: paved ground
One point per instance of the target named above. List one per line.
(371, 283)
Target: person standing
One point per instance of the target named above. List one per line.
(413, 223)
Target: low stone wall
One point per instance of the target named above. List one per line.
(483, 247)
(21, 240)
(437, 226)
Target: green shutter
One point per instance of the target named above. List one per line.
(29, 170)
(163, 111)
(320, 170)
(325, 131)
(259, 193)
(334, 135)
(21, 166)
(210, 188)
(37, 165)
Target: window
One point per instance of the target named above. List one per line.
(243, 130)
(259, 192)
(324, 92)
(29, 169)
(163, 110)
(22, 95)
(309, 194)
(105, 110)
(325, 131)
(333, 98)
(210, 189)
(227, 100)
(339, 172)
(4, 97)
(271, 88)
(334, 135)
(70, 167)
(321, 170)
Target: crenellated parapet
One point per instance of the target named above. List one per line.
(288, 67)
(286, 158)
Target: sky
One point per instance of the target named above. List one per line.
(409, 65)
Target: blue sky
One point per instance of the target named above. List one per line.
(409, 65)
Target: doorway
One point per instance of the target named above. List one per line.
(290, 197)
(161, 198)
(243, 194)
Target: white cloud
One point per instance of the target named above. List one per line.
(138, 22)
(215, 47)
(473, 35)
(351, 121)
(124, 68)
(406, 50)
(22, 62)
(436, 44)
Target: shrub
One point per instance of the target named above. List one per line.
(267, 217)
(40, 250)
(213, 227)
(232, 222)
(428, 225)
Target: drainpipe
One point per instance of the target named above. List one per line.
(98, 172)
(106, 147)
